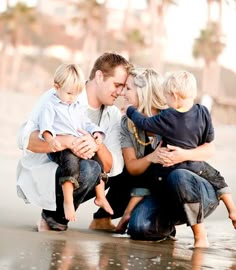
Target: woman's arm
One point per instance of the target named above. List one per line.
(173, 155)
(137, 166)
(165, 156)
(134, 165)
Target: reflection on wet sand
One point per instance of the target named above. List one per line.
(22, 248)
(77, 249)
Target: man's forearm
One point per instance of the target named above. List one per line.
(39, 146)
(105, 156)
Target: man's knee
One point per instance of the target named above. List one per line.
(90, 171)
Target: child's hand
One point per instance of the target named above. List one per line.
(98, 137)
(55, 145)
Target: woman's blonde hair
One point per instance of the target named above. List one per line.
(182, 83)
(149, 90)
(69, 76)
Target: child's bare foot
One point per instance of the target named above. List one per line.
(201, 241)
(200, 236)
(123, 223)
(102, 202)
(232, 216)
(69, 210)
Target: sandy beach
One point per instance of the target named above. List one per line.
(22, 247)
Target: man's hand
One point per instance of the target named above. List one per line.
(55, 145)
(84, 146)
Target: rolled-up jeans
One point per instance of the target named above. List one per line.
(183, 198)
(89, 173)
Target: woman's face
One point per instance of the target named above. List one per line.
(131, 94)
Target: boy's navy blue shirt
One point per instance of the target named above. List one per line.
(183, 129)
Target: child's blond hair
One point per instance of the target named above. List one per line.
(182, 83)
(69, 76)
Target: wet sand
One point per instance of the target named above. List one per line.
(22, 247)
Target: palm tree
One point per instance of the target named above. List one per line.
(92, 20)
(158, 10)
(208, 46)
(18, 24)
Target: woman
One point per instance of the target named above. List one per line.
(184, 197)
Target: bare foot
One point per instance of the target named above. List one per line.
(42, 225)
(201, 242)
(102, 224)
(69, 210)
(122, 225)
(232, 216)
(102, 202)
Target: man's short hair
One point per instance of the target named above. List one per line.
(107, 63)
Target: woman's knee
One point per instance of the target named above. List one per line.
(147, 223)
(143, 217)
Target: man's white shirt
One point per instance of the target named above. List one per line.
(36, 173)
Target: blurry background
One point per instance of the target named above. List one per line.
(36, 36)
(198, 35)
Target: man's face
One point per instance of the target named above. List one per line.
(112, 87)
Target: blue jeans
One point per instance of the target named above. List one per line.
(89, 173)
(183, 198)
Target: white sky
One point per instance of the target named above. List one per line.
(12, 2)
(183, 26)
(184, 23)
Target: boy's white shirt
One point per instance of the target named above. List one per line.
(36, 173)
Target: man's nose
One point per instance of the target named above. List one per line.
(121, 91)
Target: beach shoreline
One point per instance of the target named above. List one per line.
(22, 247)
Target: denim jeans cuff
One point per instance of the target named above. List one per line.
(140, 192)
(55, 226)
(222, 191)
(71, 179)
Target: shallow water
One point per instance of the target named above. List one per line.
(22, 248)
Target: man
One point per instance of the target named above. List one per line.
(106, 81)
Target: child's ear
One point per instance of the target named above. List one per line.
(56, 86)
(175, 95)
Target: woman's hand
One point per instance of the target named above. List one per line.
(172, 155)
(84, 146)
(167, 156)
